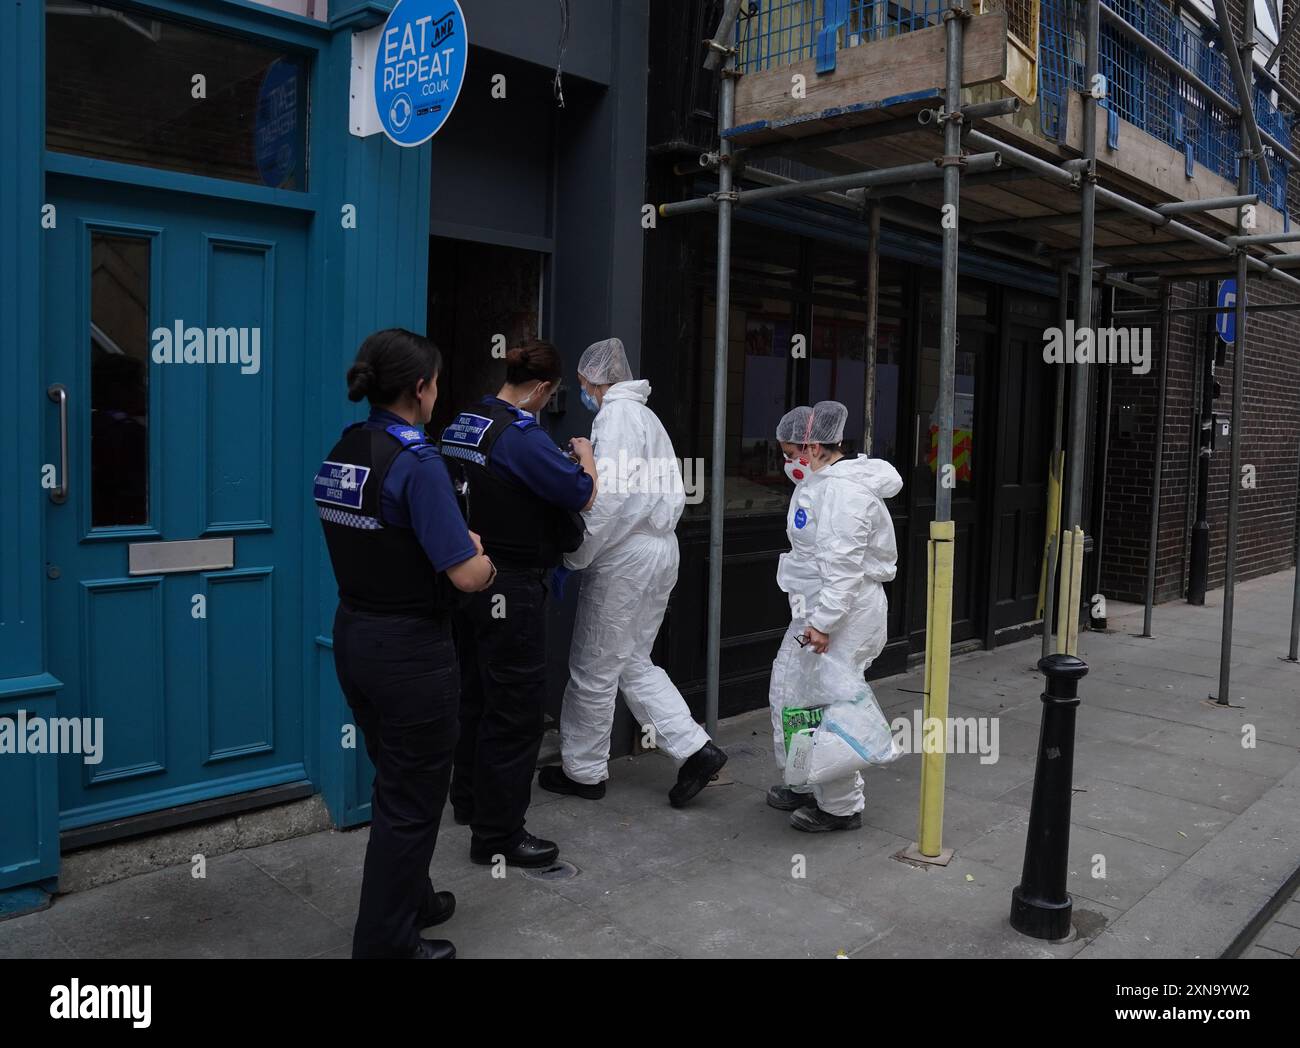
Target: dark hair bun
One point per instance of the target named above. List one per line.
(361, 376)
(390, 365)
(533, 361)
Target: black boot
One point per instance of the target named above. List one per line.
(529, 852)
(782, 798)
(814, 820)
(554, 780)
(699, 769)
(434, 950)
(437, 909)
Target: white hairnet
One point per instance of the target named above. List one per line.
(794, 425)
(605, 363)
(828, 418)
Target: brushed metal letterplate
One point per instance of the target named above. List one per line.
(166, 558)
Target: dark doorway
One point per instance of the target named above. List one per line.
(1026, 404)
(482, 297)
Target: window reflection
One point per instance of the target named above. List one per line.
(972, 309)
(798, 334)
(122, 86)
(119, 380)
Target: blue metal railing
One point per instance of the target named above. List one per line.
(781, 32)
(1144, 93)
(1140, 90)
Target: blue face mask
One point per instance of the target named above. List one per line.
(589, 402)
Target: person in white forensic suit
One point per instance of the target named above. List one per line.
(842, 552)
(629, 560)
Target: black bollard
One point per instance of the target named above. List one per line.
(1041, 906)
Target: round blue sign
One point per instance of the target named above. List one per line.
(275, 125)
(800, 517)
(419, 68)
(1225, 322)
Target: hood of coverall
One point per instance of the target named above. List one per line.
(876, 475)
(637, 389)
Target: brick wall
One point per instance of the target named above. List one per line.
(1270, 437)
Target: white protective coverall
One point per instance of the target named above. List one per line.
(629, 559)
(842, 551)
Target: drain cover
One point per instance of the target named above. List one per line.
(557, 871)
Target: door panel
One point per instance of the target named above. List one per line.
(970, 419)
(197, 674)
(1024, 444)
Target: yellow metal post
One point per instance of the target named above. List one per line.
(1076, 591)
(938, 657)
(1067, 609)
(1054, 470)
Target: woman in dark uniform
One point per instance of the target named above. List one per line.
(400, 549)
(523, 495)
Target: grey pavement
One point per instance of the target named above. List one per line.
(1185, 830)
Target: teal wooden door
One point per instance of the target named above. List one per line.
(192, 677)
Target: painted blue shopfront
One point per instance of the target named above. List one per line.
(217, 679)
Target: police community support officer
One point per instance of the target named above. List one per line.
(400, 548)
(523, 496)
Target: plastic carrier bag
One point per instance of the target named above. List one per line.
(839, 729)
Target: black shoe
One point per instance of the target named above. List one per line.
(554, 780)
(434, 950)
(529, 852)
(437, 909)
(814, 820)
(782, 798)
(700, 767)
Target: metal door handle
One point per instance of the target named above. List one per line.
(59, 395)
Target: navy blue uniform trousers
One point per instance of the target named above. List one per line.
(501, 639)
(400, 678)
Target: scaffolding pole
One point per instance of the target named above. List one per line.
(941, 549)
(1055, 469)
(1283, 38)
(873, 319)
(1072, 537)
(1235, 56)
(1157, 473)
(725, 197)
(1255, 307)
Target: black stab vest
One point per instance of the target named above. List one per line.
(380, 569)
(518, 529)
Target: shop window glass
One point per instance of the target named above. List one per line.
(119, 380)
(125, 86)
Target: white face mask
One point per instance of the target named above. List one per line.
(530, 396)
(797, 470)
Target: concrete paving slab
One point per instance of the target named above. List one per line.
(235, 911)
(30, 937)
(1138, 815)
(1231, 789)
(1202, 907)
(515, 916)
(1112, 871)
(714, 907)
(963, 912)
